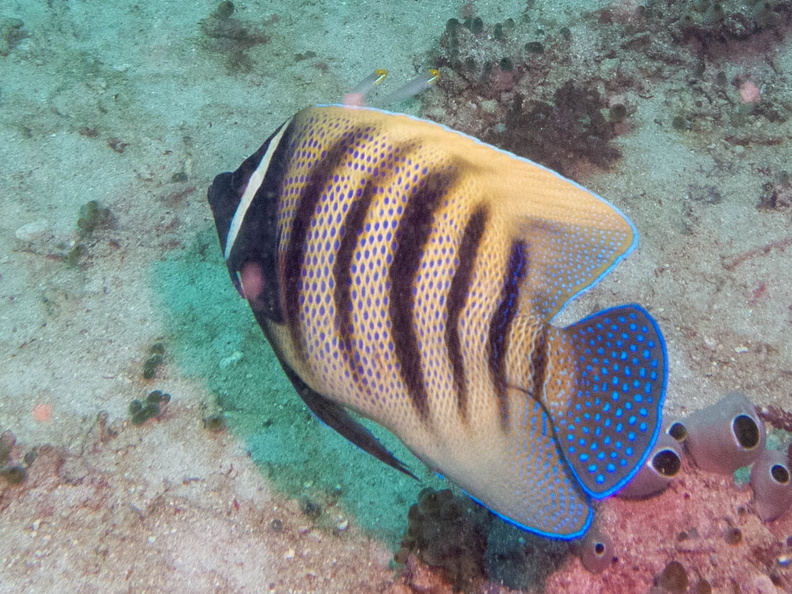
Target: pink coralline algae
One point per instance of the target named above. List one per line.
(749, 92)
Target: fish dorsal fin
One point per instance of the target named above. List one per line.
(566, 258)
(337, 417)
(571, 236)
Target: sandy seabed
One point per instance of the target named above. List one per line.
(137, 106)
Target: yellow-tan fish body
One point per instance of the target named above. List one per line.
(409, 272)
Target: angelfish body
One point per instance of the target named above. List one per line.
(409, 272)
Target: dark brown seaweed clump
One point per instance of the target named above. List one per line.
(12, 472)
(525, 85)
(718, 26)
(226, 35)
(512, 86)
(12, 32)
(92, 216)
(155, 359)
(450, 533)
(560, 133)
(152, 407)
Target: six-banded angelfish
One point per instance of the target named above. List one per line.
(408, 272)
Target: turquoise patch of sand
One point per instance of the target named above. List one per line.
(215, 338)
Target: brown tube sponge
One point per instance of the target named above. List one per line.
(725, 436)
(772, 484)
(658, 470)
(596, 551)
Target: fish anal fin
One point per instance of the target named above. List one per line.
(604, 392)
(337, 417)
(521, 474)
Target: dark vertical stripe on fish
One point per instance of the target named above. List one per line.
(457, 298)
(351, 229)
(538, 363)
(414, 229)
(318, 179)
(342, 271)
(501, 323)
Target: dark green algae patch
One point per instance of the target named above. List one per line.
(213, 336)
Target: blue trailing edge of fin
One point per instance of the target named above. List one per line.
(614, 413)
(557, 535)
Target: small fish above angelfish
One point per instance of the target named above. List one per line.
(408, 272)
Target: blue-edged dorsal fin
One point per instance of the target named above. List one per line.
(604, 393)
(337, 417)
(570, 251)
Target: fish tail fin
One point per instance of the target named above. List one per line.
(610, 378)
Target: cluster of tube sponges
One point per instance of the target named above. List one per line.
(720, 438)
(729, 435)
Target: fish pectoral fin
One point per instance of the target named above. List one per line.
(337, 417)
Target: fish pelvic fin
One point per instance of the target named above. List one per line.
(337, 417)
(604, 389)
